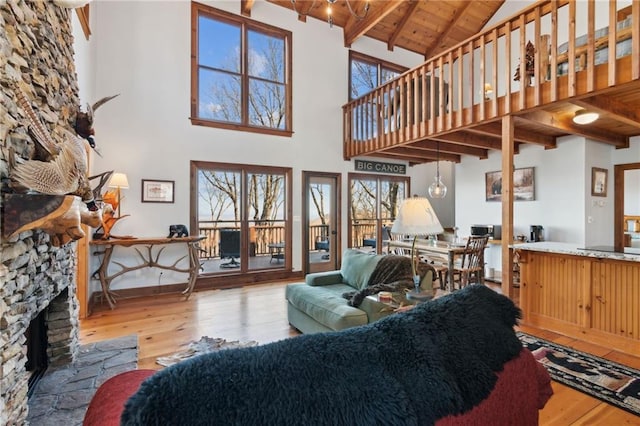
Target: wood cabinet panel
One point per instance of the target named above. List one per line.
(616, 294)
(593, 299)
(556, 287)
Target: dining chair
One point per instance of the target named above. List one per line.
(472, 262)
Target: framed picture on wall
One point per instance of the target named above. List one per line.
(157, 191)
(599, 182)
(523, 185)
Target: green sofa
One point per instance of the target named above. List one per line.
(317, 305)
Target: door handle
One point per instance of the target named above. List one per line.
(334, 232)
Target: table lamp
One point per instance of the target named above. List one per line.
(119, 181)
(416, 217)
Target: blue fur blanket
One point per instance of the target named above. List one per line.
(409, 368)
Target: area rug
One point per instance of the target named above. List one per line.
(605, 380)
(204, 345)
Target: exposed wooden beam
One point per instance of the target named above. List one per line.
(447, 31)
(469, 139)
(507, 204)
(565, 125)
(451, 148)
(357, 28)
(603, 104)
(401, 24)
(412, 159)
(494, 130)
(423, 153)
(245, 7)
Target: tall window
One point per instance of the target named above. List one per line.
(374, 202)
(240, 73)
(243, 211)
(366, 73)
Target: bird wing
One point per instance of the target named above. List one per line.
(40, 133)
(60, 176)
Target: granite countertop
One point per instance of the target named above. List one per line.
(602, 252)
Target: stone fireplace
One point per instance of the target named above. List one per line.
(36, 51)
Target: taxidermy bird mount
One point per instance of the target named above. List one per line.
(65, 172)
(84, 122)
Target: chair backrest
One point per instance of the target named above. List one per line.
(229, 243)
(473, 255)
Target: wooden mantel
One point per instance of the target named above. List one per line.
(58, 215)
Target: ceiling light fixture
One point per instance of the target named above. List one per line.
(437, 189)
(582, 116)
(354, 13)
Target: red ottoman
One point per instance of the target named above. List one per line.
(107, 404)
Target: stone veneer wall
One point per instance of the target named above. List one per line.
(36, 50)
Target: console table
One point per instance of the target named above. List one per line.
(148, 260)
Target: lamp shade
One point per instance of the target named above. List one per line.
(416, 217)
(119, 180)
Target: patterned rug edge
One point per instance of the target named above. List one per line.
(205, 345)
(592, 389)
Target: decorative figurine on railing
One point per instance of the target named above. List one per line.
(529, 60)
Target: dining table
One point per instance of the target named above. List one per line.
(434, 251)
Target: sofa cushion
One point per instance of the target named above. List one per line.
(326, 305)
(357, 267)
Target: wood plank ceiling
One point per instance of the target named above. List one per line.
(426, 27)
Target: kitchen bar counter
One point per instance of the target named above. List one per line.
(592, 295)
(600, 252)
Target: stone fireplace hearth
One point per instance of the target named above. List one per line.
(34, 276)
(36, 50)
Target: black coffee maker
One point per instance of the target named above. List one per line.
(536, 233)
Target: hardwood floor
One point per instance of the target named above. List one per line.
(167, 323)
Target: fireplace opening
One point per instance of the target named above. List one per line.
(37, 359)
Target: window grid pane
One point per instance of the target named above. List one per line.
(241, 69)
(219, 94)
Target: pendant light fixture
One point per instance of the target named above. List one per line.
(352, 11)
(437, 189)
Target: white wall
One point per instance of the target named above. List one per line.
(563, 203)
(142, 51)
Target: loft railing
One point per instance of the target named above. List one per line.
(558, 67)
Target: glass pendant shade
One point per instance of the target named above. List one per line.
(437, 189)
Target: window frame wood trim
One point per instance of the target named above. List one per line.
(83, 17)
(245, 24)
(245, 169)
(380, 63)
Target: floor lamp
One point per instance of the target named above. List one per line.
(416, 217)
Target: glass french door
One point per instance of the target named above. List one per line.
(373, 206)
(322, 218)
(243, 211)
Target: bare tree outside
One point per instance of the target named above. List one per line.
(318, 199)
(218, 193)
(221, 96)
